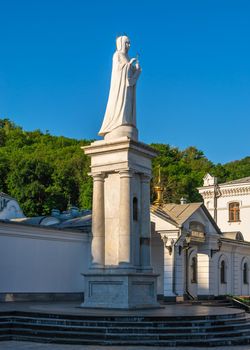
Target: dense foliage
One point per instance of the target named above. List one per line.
(44, 172)
(183, 171)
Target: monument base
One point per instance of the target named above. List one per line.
(120, 290)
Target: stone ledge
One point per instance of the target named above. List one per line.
(30, 297)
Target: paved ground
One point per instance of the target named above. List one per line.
(70, 308)
(13, 345)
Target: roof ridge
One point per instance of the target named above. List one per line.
(240, 180)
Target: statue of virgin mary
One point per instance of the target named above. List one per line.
(121, 107)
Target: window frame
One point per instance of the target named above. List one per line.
(234, 212)
(194, 270)
(223, 277)
(245, 273)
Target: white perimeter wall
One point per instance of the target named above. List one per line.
(41, 260)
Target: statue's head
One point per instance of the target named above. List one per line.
(122, 43)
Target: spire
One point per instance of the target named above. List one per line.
(158, 188)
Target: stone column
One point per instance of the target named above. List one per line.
(179, 265)
(125, 249)
(145, 250)
(203, 275)
(98, 223)
(169, 256)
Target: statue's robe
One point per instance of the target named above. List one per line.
(121, 109)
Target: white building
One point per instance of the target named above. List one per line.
(202, 250)
(229, 204)
(193, 257)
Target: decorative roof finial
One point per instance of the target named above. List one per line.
(159, 175)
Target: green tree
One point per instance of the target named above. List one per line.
(28, 183)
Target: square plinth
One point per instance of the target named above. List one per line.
(120, 291)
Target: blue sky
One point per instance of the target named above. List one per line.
(55, 66)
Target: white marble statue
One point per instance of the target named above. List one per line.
(121, 107)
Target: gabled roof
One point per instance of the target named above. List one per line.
(160, 212)
(180, 212)
(177, 214)
(239, 181)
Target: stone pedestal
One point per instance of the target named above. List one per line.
(121, 274)
(114, 290)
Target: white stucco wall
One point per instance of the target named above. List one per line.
(157, 260)
(163, 262)
(223, 215)
(41, 260)
(226, 194)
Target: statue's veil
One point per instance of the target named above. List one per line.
(120, 42)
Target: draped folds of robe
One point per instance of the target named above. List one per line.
(121, 109)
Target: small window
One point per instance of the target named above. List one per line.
(245, 273)
(234, 212)
(223, 272)
(135, 209)
(194, 270)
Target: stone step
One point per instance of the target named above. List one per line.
(227, 341)
(124, 321)
(122, 318)
(106, 334)
(139, 327)
(226, 329)
(128, 329)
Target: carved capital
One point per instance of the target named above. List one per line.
(98, 176)
(126, 173)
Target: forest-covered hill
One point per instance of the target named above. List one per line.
(44, 172)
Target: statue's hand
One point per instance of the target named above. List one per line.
(137, 66)
(132, 60)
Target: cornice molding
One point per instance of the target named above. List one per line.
(41, 233)
(226, 192)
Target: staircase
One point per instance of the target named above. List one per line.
(203, 331)
(223, 302)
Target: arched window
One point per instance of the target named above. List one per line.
(245, 273)
(135, 209)
(223, 272)
(234, 211)
(194, 270)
